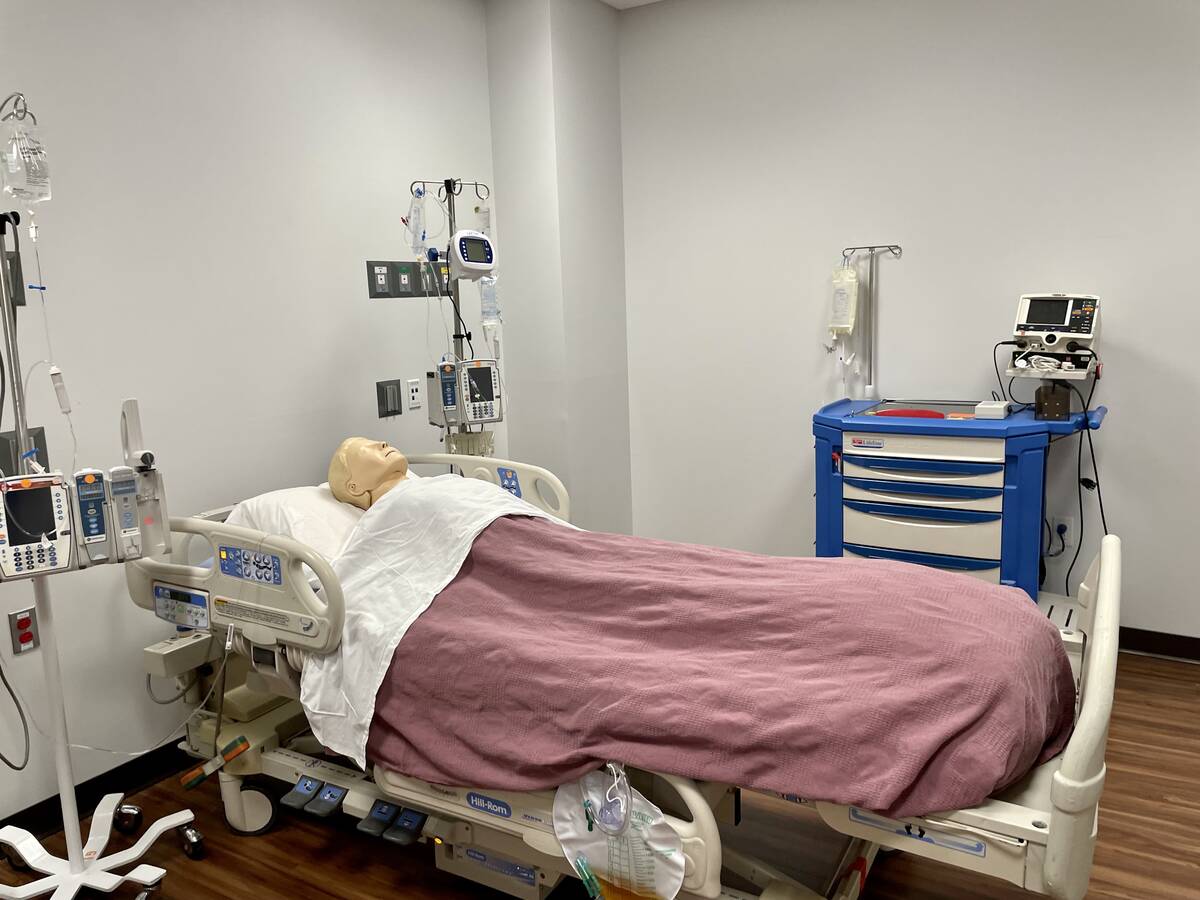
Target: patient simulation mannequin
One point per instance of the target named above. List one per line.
(363, 470)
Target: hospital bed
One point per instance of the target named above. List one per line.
(1039, 834)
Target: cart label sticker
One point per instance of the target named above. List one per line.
(867, 443)
(524, 874)
(492, 807)
(941, 839)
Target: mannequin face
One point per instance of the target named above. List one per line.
(363, 470)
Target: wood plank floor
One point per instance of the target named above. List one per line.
(1149, 828)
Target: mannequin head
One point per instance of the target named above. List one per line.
(363, 470)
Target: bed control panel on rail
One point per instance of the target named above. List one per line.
(273, 591)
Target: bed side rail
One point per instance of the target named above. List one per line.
(256, 582)
(535, 485)
(1076, 788)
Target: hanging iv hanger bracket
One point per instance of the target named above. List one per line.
(895, 249)
(451, 186)
(870, 339)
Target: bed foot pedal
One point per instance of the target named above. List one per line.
(407, 829)
(379, 819)
(327, 802)
(303, 793)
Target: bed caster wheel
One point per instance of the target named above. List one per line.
(193, 842)
(260, 811)
(128, 819)
(14, 860)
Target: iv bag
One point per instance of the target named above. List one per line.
(416, 222)
(24, 171)
(489, 302)
(844, 297)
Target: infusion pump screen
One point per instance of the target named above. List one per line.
(476, 250)
(480, 381)
(30, 514)
(1047, 311)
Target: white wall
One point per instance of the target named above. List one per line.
(553, 66)
(1008, 146)
(521, 85)
(221, 172)
(587, 115)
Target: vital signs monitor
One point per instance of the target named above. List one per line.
(472, 255)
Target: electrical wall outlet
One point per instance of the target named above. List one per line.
(414, 393)
(23, 629)
(1070, 537)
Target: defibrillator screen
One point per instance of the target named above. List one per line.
(1047, 311)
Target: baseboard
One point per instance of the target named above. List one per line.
(1159, 643)
(45, 818)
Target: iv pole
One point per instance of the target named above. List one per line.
(871, 338)
(84, 867)
(451, 188)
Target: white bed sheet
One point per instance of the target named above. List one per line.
(403, 552)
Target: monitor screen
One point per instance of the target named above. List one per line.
(1047, 311)
(479, 380)
(30, 514)
(476, 250)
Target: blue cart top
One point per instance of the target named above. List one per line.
(850, 415)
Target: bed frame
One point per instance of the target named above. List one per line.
(1039, 834)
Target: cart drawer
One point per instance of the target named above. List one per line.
(983, 569)
(952, 532)
(929, 471)
(946, 496)
(925, 446)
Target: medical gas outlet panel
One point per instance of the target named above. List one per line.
(35, 526)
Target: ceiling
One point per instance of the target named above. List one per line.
(627, 4)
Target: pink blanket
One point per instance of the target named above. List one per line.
(889, 686)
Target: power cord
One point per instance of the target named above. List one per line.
(17, 767)
(462, 326)
(176, 698)
(996, 365)
(1091, 484)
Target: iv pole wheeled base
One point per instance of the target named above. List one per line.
(96, 873)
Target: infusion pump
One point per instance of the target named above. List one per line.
(468, 393)
(49, 523)
(1055, 335)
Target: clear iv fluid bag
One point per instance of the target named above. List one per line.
(489, 301)
(416, 222)
(844, 300)
(24, 171)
